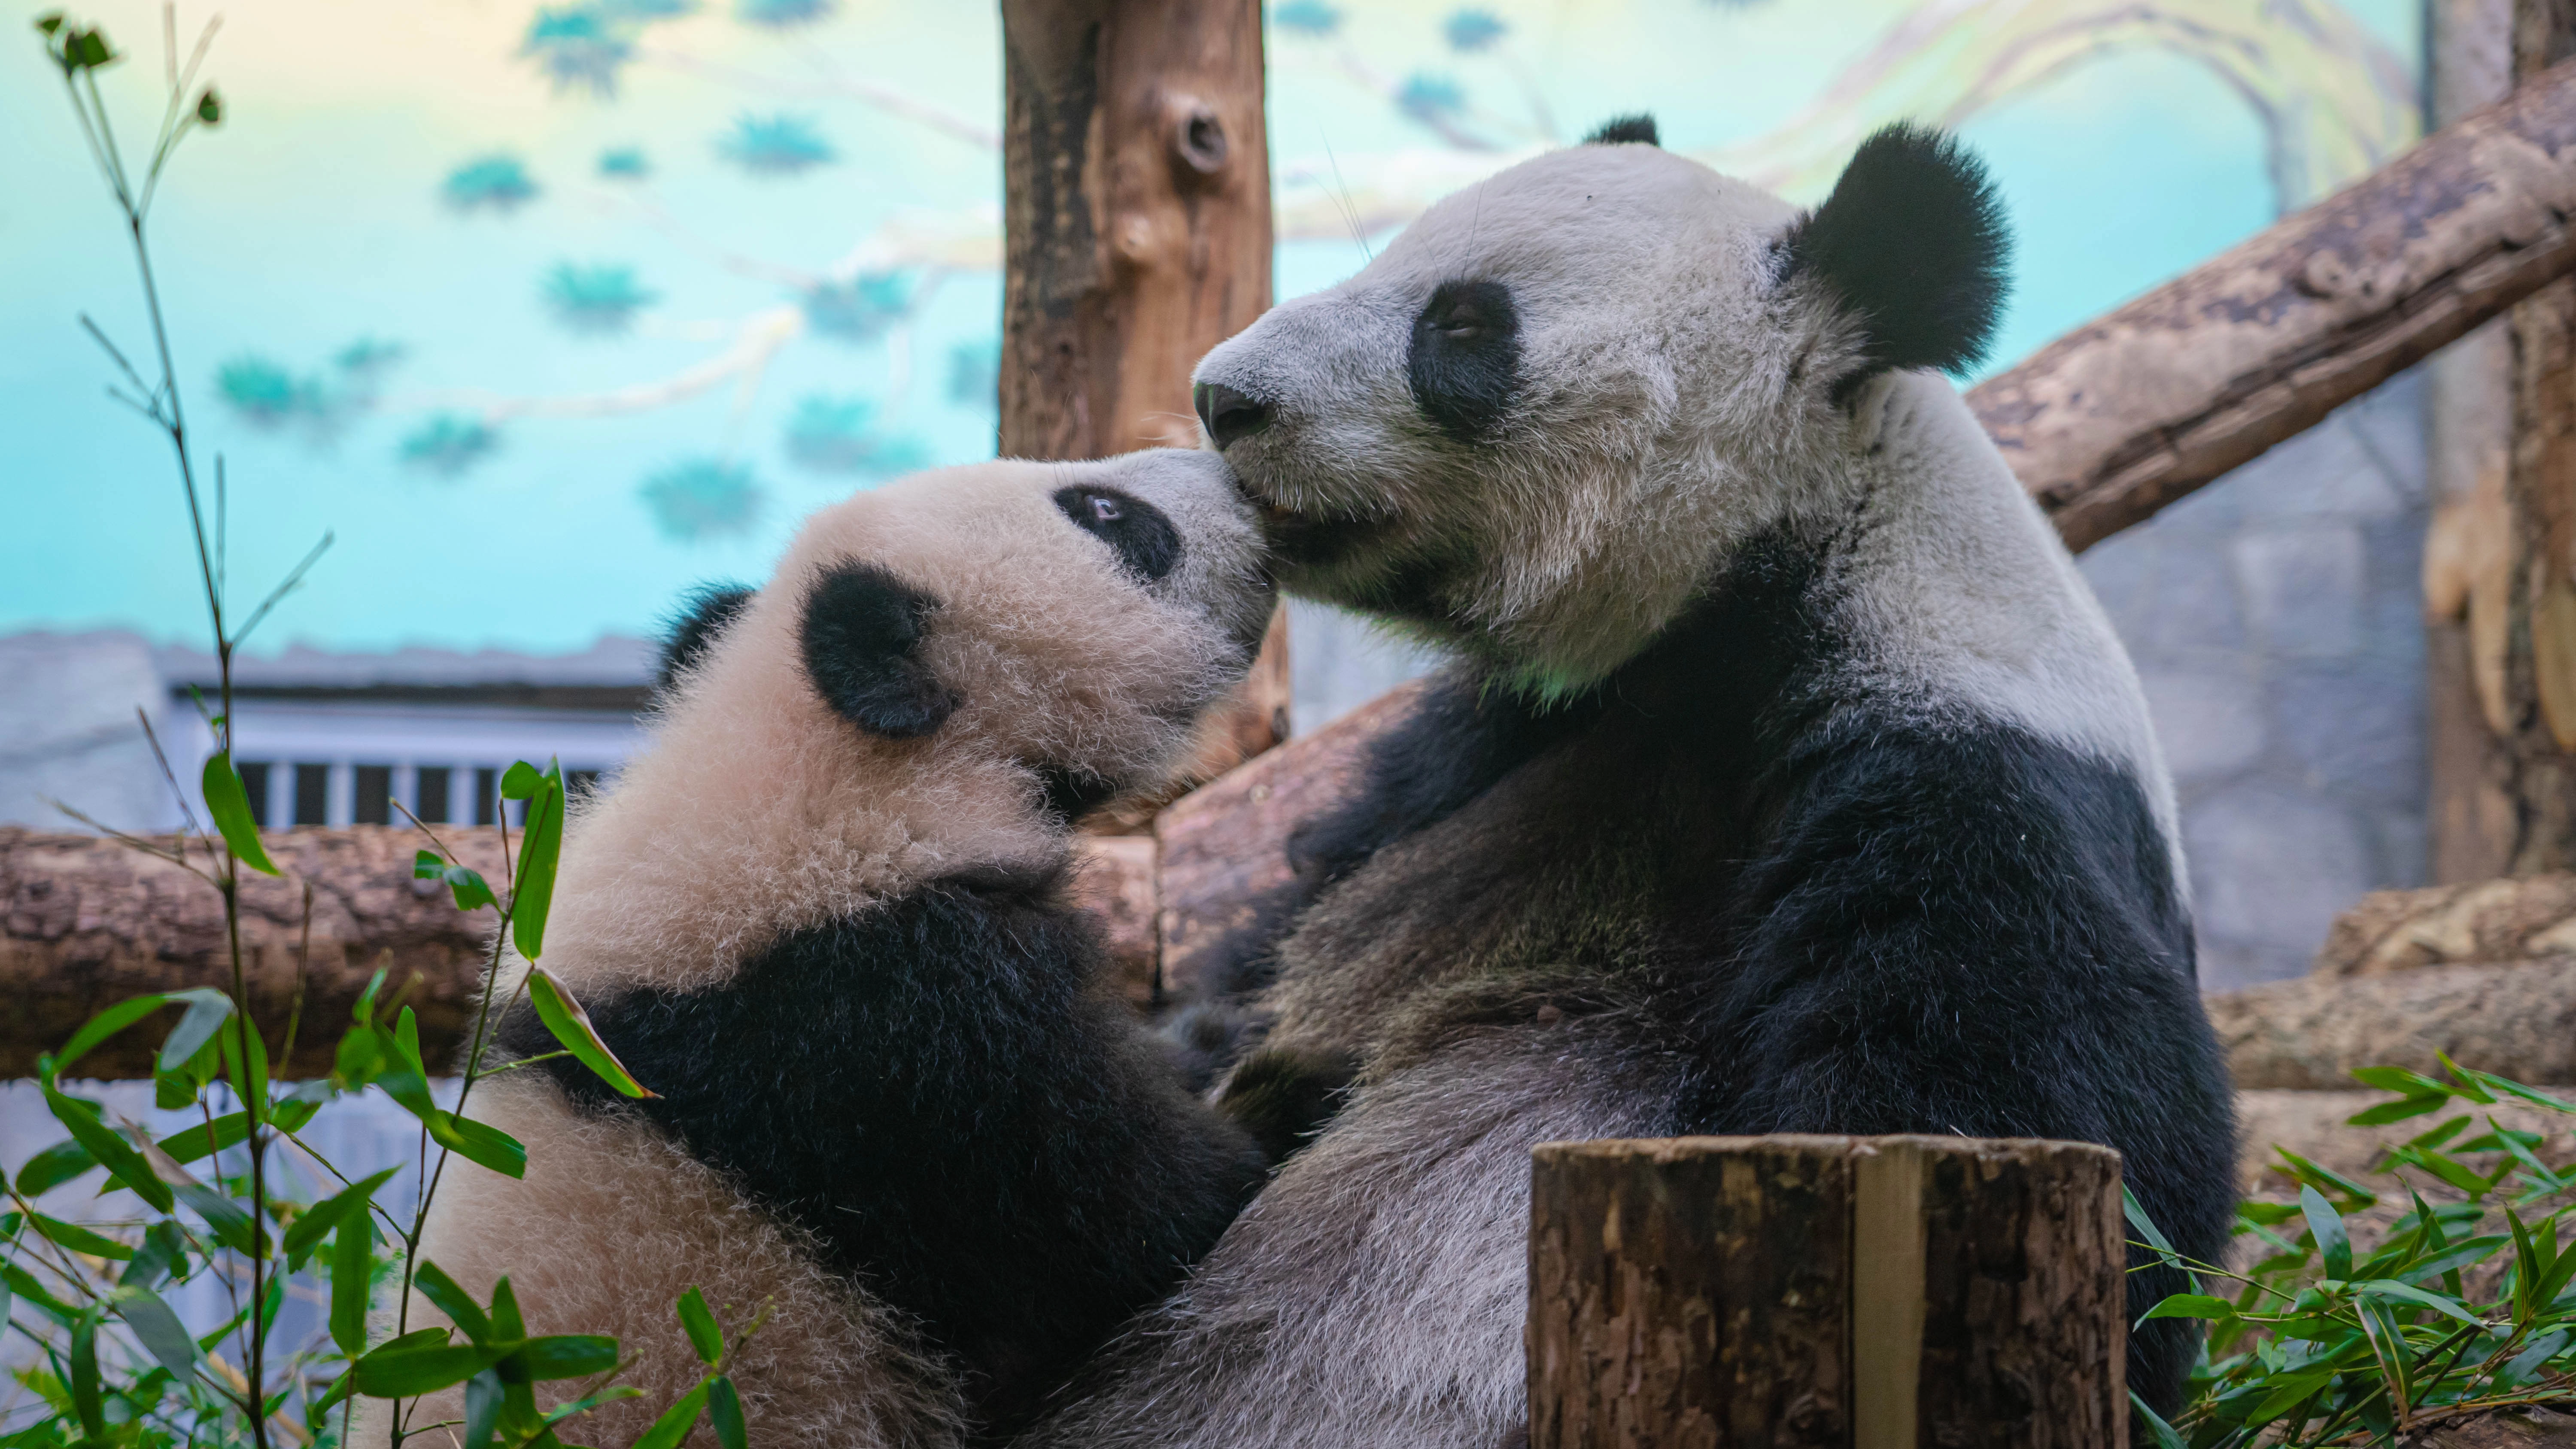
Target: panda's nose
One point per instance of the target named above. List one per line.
(1228, 414)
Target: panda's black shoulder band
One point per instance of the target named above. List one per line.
(703, 614)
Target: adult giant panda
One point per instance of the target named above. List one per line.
(823, 916)
(1788, 779)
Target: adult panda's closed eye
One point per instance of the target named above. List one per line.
(1465, 358)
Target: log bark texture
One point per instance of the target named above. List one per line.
(1137, 236)
(86, 923)
(2312, 1032)
(2129, 412)
(1887, 1291)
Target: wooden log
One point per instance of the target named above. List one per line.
(2312, 1032)
(1136, 221)
(1879, 1291)
(2127, 413)
(2136, 409)
(86, 923)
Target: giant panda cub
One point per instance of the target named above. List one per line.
(822, 915)
(1787, 778)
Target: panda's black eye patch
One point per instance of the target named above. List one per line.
(1145, 540)
(1465, 359)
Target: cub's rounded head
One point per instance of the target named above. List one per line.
(1074, 619)
(1532, 423)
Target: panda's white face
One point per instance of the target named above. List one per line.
(1531, 425)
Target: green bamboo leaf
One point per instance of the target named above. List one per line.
(2190, 1305)
(2516, 1089)
(2528, 1362)
(2398, 1111)
(704, 1335)
(2458, 1255)
(398, 1372)
(2389, 1288)
(2468, 1084)
(520, 781)
(158, 1330)
(206, 1138)
(676, 1421)
(210, 107)
(245, 1060)
(2334, 1244)
(450, 1298)
(532, 893)
(352, 1269)
(225, 1218)
(102, 1026)
(229, 804)
(562, 1013)
(565, 1356)
(80, 1239)
(506, 1322)
(484, 1396)
(53, 1167)
(2310, 1174)
(724, 1411)
(84, 1377)
(364, 1013)
(163, 1256)
(207, 1010)
(2401, 1081)
(309, 1227)
(24, 1285)
(479, 1142)
(108, 1149)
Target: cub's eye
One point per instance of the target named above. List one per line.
(1104, 509)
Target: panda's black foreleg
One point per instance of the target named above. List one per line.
(936, 1093)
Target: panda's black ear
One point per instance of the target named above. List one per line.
(703, 613)
(1638, 128)
(1914, 241)
(862, 636)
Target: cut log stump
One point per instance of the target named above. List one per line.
(1881, 1292)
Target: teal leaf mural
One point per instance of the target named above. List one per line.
(599, 300)
(625, 163)
(838, 435)
(497, 183)
(449, 444)
(580, 47)
(780, 145)
(703, 499)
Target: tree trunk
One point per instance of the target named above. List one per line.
(1879, 1291)
(2500, 559)
(1137, 217)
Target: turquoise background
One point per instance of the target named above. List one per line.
(315, 218)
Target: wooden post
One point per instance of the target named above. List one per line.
(1873, 1292)
(1137, 236)
(2500, 560)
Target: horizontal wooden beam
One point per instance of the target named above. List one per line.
(86, 923)
(2135, 409)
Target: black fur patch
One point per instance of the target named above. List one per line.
(1621, 130)
(1466, 357)
(1915, 242)
(1284, 1098)
(1144, 538)
(704, 612)
(1072, 794)
(862, 633)
(937, 1094)
(1848, 919)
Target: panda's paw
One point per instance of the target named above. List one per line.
(1284, 1097)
